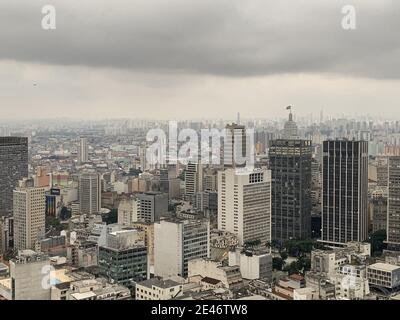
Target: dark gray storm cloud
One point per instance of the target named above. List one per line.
(233, 38)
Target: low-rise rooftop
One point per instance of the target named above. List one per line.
(160, 283)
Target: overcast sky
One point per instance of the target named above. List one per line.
(198, 58)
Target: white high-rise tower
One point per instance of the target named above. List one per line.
(244, 203)
(90, 193)
(29, 217)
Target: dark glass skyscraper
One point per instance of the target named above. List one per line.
(393, 217)
(13, 167)
(344, 191)
(290, 164)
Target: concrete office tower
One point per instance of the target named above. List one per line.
(83, 151)
(193, 180)
(235, 146)
(344, 191)
(290, 164)
(29, 217)
(89, 193)
(13, 167)
(244, 204)
(176, 241)
(124, 258)
(393, 217)
(151, 206)
(128, 211)
(28, 276)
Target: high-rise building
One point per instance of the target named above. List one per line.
(29, 217)
(176, 241)
(244, 204)
(344, 191)
(124, 258)
(193, 180)
(235, 146)
(316, 187)
(83, 151)
(382, 172)
(90, 193)
(30, 276)
(164, 181)
(393, 221)
(151, 206)
(14, 167)
(290, 164)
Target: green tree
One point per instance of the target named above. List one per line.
(10, 254)
(277, 263)
(292, 268)
(296, 248)
(52, 223)
(252, 243)
(284, 255)
(303, 264)
(134, 172)
(110, 217)
(377, 241)
(65, 213)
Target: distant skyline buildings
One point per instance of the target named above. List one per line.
(302, 116)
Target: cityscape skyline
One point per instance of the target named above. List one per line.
(204, 152)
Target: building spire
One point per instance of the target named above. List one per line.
(290, 113)
(290, 128)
